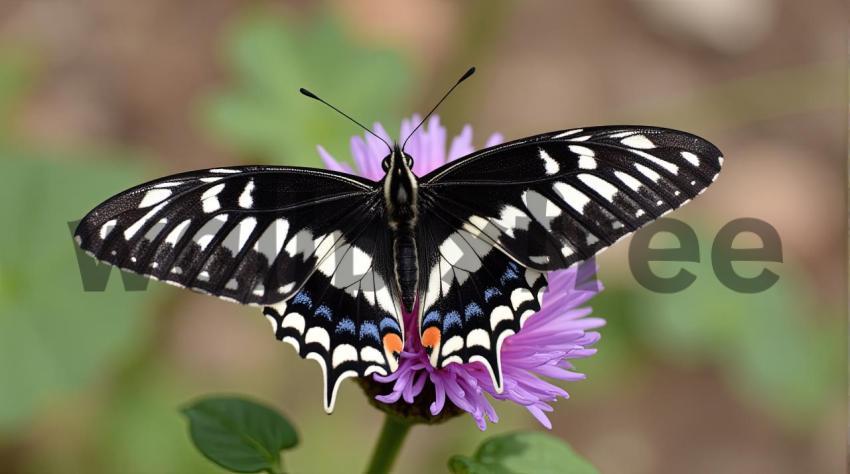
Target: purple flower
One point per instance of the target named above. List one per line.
(560, 331)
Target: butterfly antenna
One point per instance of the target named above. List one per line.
(464, 77)
(314, 96)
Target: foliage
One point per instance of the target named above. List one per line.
(239, 434)
(522, 453)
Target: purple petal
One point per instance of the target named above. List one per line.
(537, 413)
(440, 395)
(331, 163)
(461, 144)
(494, 139)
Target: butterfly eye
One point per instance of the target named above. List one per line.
(385, 165)
(409, 160)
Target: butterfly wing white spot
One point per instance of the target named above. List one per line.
(658, 161)
(319, 336)
(549, 164)
(628, 180)
(209, 230)
(499, 314)
(107, 227)
(154, 196)
(691, 158)
(177, 232)
(129, 232)
(572, 196)
(370, 354)
(582, 150)
(246, 200)
(454, 344)
(343, 353)
(520, 296)
(604, 188)
(542, 209)
(209, 199)
(638, 141)
(478, 337)
(568, 133)
(651, 174)
(586, 163)
(272, 239)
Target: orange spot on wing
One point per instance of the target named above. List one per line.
(431, 337)
(392, 343)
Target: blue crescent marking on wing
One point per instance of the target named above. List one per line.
(431, 317)
(510, 274)
(303, 297)
(491, 293)
(346, 325)
(451, 319)
(369, 329)
(324, 312)
(389, 322)
(472, 310)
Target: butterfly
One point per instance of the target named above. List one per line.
(335, 260)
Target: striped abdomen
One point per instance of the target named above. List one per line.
(404, 251)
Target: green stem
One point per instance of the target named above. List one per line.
(389, 443)
(276, 468)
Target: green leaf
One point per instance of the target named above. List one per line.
(239, 434)
(522, 453)
(55, 338)
(262, 115)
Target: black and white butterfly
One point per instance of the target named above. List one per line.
(336, 259)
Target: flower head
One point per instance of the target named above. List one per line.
(559, 332)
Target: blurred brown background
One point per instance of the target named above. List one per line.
(97, 95)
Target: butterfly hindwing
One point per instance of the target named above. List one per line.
(346, 316)
(472, 296)
(555, 199)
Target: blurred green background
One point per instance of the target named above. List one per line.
(98, 95)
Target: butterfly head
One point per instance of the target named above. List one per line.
(400, 188)
(398, 159)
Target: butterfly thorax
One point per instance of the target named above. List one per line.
(401, 200)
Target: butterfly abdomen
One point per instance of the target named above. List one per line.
(406, 268)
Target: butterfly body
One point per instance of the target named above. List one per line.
(337, 260)
(401, 198)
